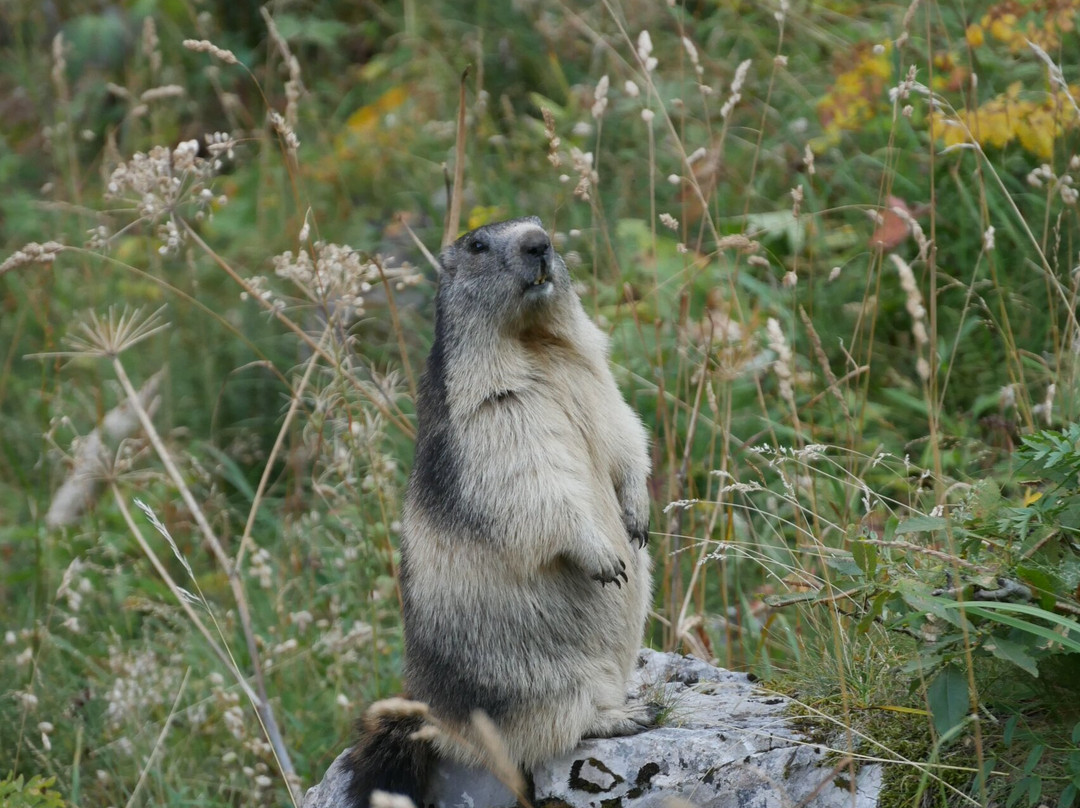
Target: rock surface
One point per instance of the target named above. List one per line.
(724, 744)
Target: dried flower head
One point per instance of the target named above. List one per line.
(111, 336)
(205, 46)
(783, 365)
(1007, 397)
(32, 253)
(692, 53)
(587, 175)
(335, 276)
(796, 200)
(644, 52)
(142, 688)
(600, 97)
(164, 91)
(552, 138)
(150, 43)
(736, 89)
(59, 69)
(914, 305)
(282, 127)
(163, 185)
(737, 241)
(294, 86)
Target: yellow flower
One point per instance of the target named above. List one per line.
(974, 35)
(479, 216)
(1003, 28)
(1036, 133)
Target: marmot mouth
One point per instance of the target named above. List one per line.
(540, 288)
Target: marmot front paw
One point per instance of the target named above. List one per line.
(611, 570)
(636, 530)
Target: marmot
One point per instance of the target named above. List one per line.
(524, 578)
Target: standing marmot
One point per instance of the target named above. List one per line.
(527, 497)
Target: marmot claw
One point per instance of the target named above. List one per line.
(637, 528)
(611, 575)
(639, 536)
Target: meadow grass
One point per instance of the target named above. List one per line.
(834, 246)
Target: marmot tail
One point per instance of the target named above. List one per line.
(386, 757)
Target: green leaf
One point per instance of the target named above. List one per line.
(779, 601)
(1013, 652)
(1010, 728)
(1076, 733)
(990, 610)
(1019, 789)
(874, 612)
(1068, 796)
(780, 223)
(865, 555)
(921, 524)
(1033, 758)
(890, 528)
(921, 664)
(1045, 584)
(918, 597)
(987, 769)
(324, 33)
(948, 697)
(845, 566)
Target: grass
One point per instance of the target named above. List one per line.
(833, 246)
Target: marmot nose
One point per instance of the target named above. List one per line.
(536, 244)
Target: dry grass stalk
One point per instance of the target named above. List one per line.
(496, 757)
(133, 799)
(457, 192)
(90, 465)
(263, 708)
(279, 441)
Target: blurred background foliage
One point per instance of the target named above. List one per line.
(834, 245)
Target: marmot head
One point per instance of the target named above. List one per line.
(506, 272)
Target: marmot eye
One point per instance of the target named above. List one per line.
(478, 245)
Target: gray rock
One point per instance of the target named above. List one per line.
(724, 744)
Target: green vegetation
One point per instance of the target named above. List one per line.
(835, 246)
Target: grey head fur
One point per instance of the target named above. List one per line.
(506, 275)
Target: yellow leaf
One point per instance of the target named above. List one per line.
(365, 118)
(1031, 496)
(896, 708)
(480, 216)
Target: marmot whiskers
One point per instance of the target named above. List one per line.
(523, 574)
